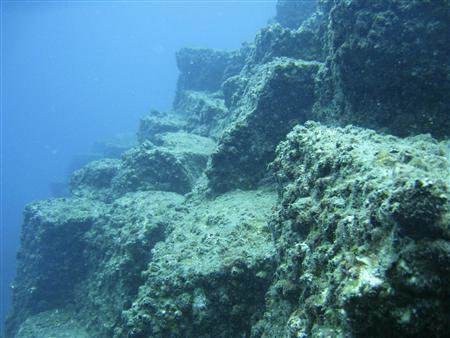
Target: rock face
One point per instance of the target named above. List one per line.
(174, 165)
(156, 123)
(278, 95)
(362, 232)
(292, 13)
(387, 66)
(49, 265)
(210, 276)
(235, 216)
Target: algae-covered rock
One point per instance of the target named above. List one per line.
(387, 67)
(205, 113)
(363, 233)
(49, 324)
(172, 163)
(94, 180)
(48, 260)
(156, 123)
(305, 43)
(210, 276)
(276, 96)
(173, 166)
(292, 13)
(199, 98)
(355, 244)
(118, 249)
(205, 69)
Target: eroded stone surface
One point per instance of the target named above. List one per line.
(358, 242)
(276, 96)
(209, 277)
(362, 227)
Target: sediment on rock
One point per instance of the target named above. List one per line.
(292, 13)
(210, 276)
(387, 66)
(275, 97)
(362, 227)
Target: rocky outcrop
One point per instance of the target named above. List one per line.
(362, 232)
(292, 13)
(157, 123)
(94, 180)
(275, 97)
(210, 276)
(55, 323)
(206, 69)
(174, 164)
(118, 250)
(184, 234)
(48, 261)
(206, 113)
(387, 66)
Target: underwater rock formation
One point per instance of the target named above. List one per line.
(206, 113)
(175, 165)
(48, 261)
(94, 180)
(292, 13)
(185, 235)
(362, 231)
(274, 98)
(387, 66)
(156, 123)
(210, 276)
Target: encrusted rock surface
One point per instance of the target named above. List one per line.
(206, 113)
(362, 232)
(275, 97)
(156, 123)
(55, 323)
(210, 276)
(48, 260)
(184, 235)
(173, 166)
(387, 66)
(94, 179)
(118, 249)
(292, 13)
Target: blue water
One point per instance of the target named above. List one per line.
(81, 71)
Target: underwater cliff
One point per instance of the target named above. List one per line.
(299, 187)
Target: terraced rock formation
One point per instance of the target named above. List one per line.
(237, 216)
